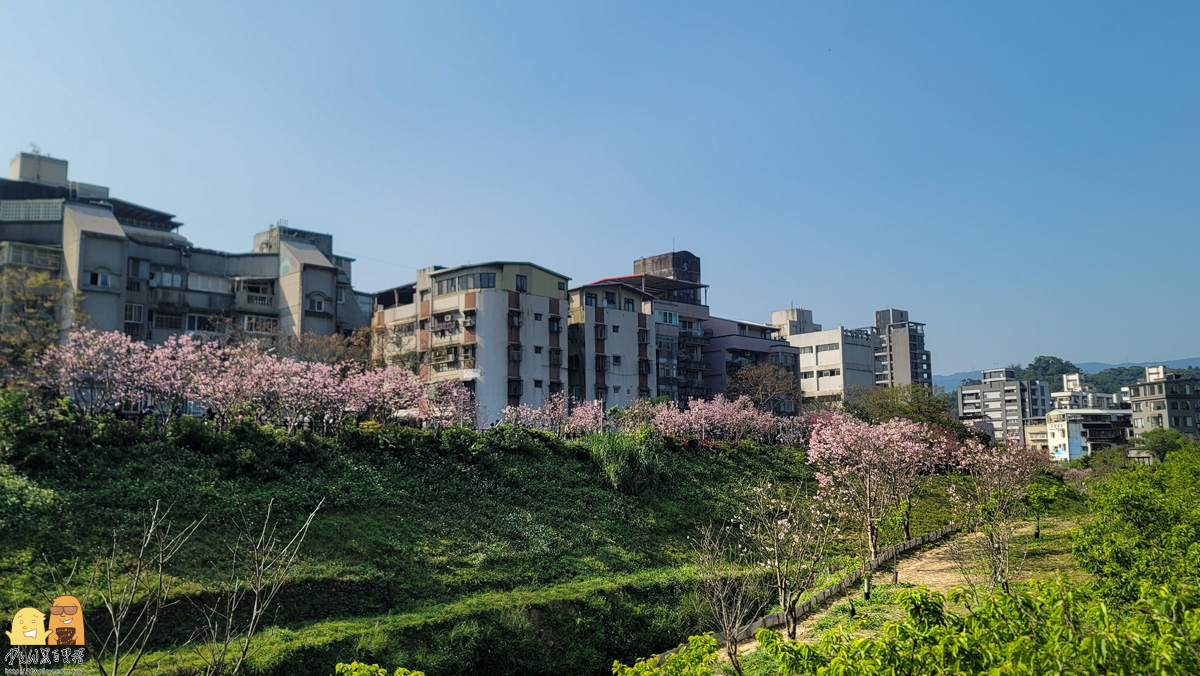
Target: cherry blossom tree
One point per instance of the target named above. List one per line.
(95, 369)
(991, 502)
(789, 534)
(586, 417)
(449, 404)
(866, 471)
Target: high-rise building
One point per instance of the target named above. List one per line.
(495, 327)
(1004, 402)
(831, 362)
(735, 345)
(610, 347)
(902, 356)
(1164, 400)
(137, 274)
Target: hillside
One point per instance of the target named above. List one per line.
(951, 381)
(456, 552)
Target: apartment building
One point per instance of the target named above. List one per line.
(1005, 402)
(1078, 432)
(137, 274)
(736, 344)
(1165, 400)
(495, 327)
(610, 347)
(901, 356)
(833, 361)
(1079, 394)
(680, 312)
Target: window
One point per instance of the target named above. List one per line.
(98, 279)
(562, 286)
(537, 384)
(537, 316)
(445, 286)
(166, 321)
(405, 329)
(610, 299)
(555, 324)
(805, 375)
(828, 348)
(601, 331)
(522, 283)
(139, 269)
(664, 317)
(616, 329)
(628, 305)
(341, 295)
(806, 350)
(537, 349)
(209, 283)
(616, 360)
(590, 300)
(616, 389)
(515, 387)
(643, 337)
(168, 278)
(133, 312)
(200, 323)
(316, 305)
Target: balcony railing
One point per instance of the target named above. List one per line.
(255, 301)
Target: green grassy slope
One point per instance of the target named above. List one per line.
(497, 553)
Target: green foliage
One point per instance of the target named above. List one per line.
(912, 402)
(693, 659)
(630, 463)
(356, 669)
(1161, 442)
(1113, 379)
(1049, 369)
(1047, 628)
(1146, 528)
(23, 505)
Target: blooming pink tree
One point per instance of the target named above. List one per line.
(586, 417)
(788, 535)
(449, 404)
(865, 471)
(94, 368)
(991, 501)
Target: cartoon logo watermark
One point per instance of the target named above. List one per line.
(29, 632)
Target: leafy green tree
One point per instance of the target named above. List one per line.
(358, 669)
(911, 402)
(1147, 528)
(33, 307)
(1039, 497)
(1050, 369)
(1049, 628)
(694, 659)
(1161, 442)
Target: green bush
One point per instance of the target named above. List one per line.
(630, 463)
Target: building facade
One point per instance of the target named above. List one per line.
(736, 344)
(1164, 400)
(610, 345)
(902, 356)
(498, 328)
(830, 362)
(135, 273)
(1005, 402)
(1075, 433)
(1076, 393)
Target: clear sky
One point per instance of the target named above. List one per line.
(1024, 177)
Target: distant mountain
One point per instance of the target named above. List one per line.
(953, 380)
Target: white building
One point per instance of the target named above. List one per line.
(1075, 433)
(495, 327)
(1078, 394)
(830, 362)
(611, 352)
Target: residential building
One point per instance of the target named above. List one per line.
(1078, 432)
(137, 274)
(832, 362)
(1164, 400)
(1078, 394)
(610, 347)
(495, 327)
(902, 356)
(678, 306)
(737, 344)
(1037, 435)
(1004, 401)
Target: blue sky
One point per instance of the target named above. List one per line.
(1023, 177)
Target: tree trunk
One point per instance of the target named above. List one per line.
(1037, 530)
(873, 539)
(908, 517)
(867, 586)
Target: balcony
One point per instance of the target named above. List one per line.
(695, 363)
(695, 337)
(693, 388)
(451, 325)
(254, 302)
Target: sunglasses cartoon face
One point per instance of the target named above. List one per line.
(59, 610)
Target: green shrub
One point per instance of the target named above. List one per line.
(630, 463)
